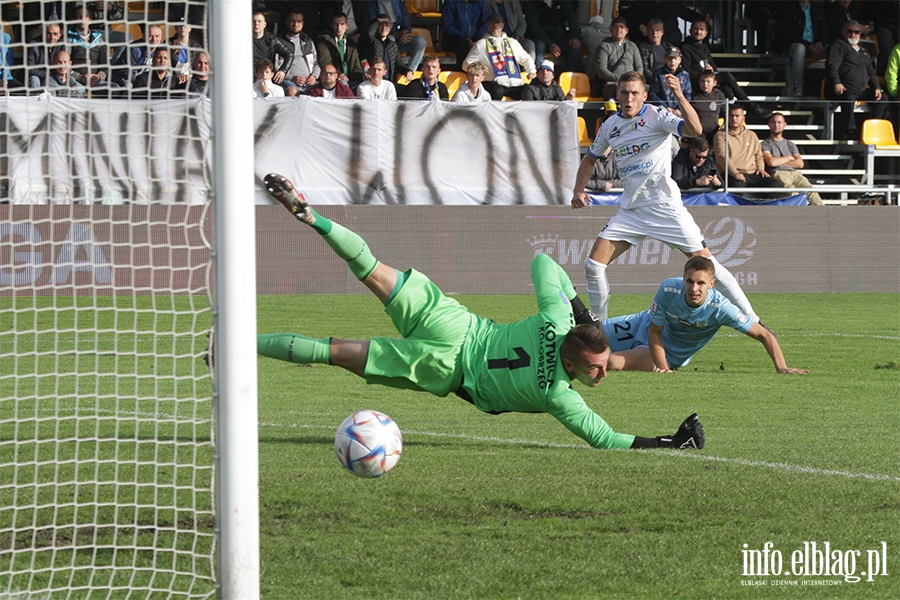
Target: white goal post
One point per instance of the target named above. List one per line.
(128, 467)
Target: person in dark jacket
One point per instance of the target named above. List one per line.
(41, 54)
(696, 58)
(426, 87)
(555, 30)
(337, 49)
(464, 22)
(266, 46)
(693, 167)
(803, 32)
(544, 87)
(304, 71)
(850, 77)
(384, 47)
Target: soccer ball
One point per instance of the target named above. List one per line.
(368, 443)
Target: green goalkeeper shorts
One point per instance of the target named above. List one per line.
(433, 327)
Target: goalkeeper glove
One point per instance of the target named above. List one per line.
(582, 314)
(689, 435)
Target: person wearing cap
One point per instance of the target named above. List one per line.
(850, 77)
(544, 87)
(617, 56)
(506, 60)
(660, 92)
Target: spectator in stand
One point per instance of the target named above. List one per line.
(605, 175)
(640, 12)
(58, 82)
(851, 77)
(464, 22)
(304, 71)
(197, 85)
(265, 86)
(692, 167)
(653, 49)
(760, 13)
(544, 87)
(266, 46)
(554, 27)
(745, 166)
(427, 87)
(384, 47)
(138, 57)
(472, 91)
(803, 32)
(39, 53)
(181, 47)
(506, 59)
(783, 159)
(710, 103)
(594, 19)
(401, 28)
(330, 86)
(836, 14)
(617, 55)
(514, 22)
(88, 52)
(660, 92)
(338, 50)
(158, 78)
(698, 58)
(377, 87)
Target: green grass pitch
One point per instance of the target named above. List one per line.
(514, 506)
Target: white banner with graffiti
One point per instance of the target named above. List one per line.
(63, 150)
(417, 152)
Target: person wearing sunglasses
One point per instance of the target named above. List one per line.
(851, 77)
(693, 167)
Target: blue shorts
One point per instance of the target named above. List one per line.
(627, 331)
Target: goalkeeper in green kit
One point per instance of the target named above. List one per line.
(526, 366)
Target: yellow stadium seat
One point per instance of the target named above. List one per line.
(424, 32)
(584, 140)
(452, 79)
(580, 82)
(427, 9)
(879, 133)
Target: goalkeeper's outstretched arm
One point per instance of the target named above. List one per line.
(689, 435)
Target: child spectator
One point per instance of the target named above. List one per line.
(263, 86)
(660, 93)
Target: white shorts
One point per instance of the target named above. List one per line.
(671, 224)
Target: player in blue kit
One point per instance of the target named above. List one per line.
(640, 136)
(684, 316)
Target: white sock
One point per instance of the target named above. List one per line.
(729, 287)
(597, 287)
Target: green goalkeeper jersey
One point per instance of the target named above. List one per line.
(516, 367)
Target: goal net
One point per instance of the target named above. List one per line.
(108, 410)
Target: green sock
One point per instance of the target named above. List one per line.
(348, 246)
(291, 347)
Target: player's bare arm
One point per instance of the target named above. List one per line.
(657, 351)
(765, 337)
(692, 126)
(579, 197)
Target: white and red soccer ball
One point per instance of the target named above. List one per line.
(368, 443)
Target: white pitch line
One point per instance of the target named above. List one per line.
(667, 453)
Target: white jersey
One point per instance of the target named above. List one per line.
(385, 91)
(643, 155)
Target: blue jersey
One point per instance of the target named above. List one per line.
(685, 329)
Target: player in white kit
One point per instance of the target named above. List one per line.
(639, 135)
